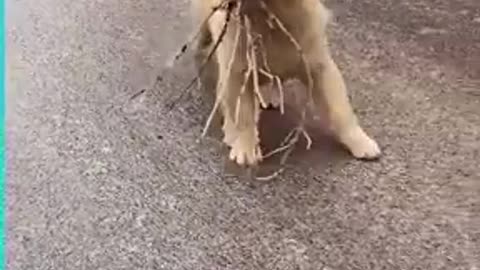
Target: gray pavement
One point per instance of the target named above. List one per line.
(99, 181)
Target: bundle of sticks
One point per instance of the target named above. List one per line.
(238, 12)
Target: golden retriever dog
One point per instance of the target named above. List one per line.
(306, 22)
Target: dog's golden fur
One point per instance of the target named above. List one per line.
(306, 21)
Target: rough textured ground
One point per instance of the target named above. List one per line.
(98, 181)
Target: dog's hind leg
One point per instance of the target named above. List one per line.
(329, 90)
(329, 87)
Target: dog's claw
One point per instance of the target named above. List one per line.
(360, 145)
(245, 149)
(249, 156)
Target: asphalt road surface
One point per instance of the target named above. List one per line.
(97, 180)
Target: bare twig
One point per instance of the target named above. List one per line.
(276, 80)
(252, 48)
(295, 43)
(187, 44)
(308, 138)
(292, 138)
(228, 5)
(267, 72)
(138, 93)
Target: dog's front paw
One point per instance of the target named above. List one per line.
(245, 149)
(360, 145)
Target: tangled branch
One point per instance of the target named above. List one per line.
(255, 46)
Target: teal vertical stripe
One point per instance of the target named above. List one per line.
(2, 137)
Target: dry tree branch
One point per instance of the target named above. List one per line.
(227, 5)
(292, 138)
(253, 57)
(253, 70)
(292, 39)
(278, 82)
(186, 45)
(307, 138)
(267, 72)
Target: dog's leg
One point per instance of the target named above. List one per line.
(239, 124)
(341, 116)
(329, 90)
